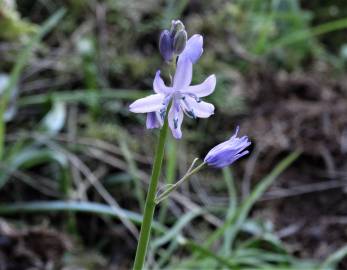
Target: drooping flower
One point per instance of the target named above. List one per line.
(228, 152)
(185, 98)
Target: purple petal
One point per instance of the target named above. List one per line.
(153, 121)
(147, 104)
(227, 152)
(183, 75)
(193, 49)
(175, 119)
(200, 109)
(215, 151)
(165, 45)
(204, 89)
(159, 85)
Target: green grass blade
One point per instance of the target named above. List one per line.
(82, 96)
(206, 253)
(238, 219)
(176, 230)
(331, 262)
(18, 67)
(229, 180)
(25, 54)
(132, 168)
(71, 206)
(309, 33)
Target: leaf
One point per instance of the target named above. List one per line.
(242, 212)
(11, 25)
(29, 157)
(21, 61)
(71, 206)
(82, 96)
(331, 262)
(175, 231)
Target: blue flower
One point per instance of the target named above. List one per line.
(186, 99)
(227, 152)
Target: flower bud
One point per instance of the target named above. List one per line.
(180, 41)
(165, 45)
(176, 26)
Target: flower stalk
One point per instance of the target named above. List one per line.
(171, 188)
(150, 204)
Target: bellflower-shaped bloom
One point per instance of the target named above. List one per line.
(185, 98)
(227, 152)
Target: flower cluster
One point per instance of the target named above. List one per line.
(184, 98)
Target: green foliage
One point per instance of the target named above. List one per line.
(247, 244)
(13, 27)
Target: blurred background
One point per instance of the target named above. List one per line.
(75, 162)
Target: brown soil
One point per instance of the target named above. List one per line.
(308, 112)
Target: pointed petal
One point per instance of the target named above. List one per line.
(201, 109)
(203, 89)
(159, 86)
(147, 104)
(153, 121)
(175, 119)
(183, 75)
(193, 49)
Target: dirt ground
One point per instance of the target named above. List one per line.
(308, 112)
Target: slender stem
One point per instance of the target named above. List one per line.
(192, 165)
(171, 158)
(150, 204)
(165, 194)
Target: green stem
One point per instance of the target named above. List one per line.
(150, 204)
(166, 193)
(170, 173)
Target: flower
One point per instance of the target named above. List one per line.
(227, 152)
(185, 98)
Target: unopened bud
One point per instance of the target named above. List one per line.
(176, 26)
(165, 45)
(180, 41)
